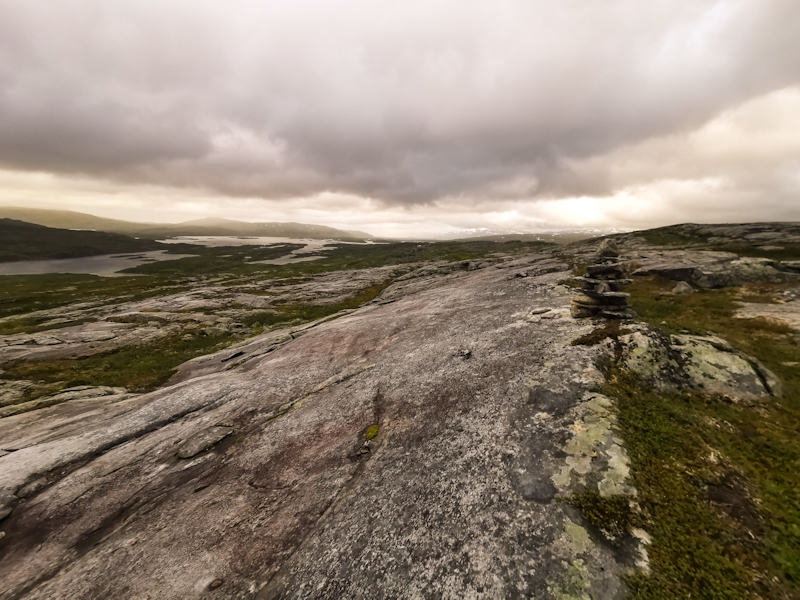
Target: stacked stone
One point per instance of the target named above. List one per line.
(602, 294)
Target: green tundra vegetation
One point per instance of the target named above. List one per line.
(718, 482)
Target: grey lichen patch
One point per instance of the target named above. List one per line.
(572, 583)
(647, 358)
(642, 558)
(595, 455)
(594, 478)
(575, 538)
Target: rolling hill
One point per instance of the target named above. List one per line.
(26, 241)
(66, 219)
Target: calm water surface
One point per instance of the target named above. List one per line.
(294, 256)
(106, 265)
(110, 265)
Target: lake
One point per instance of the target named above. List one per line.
(106, 265)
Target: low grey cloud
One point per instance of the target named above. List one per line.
(405, 103)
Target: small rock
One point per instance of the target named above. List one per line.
(579, 312)
(608, 249)
(683, 288)
(215, 584)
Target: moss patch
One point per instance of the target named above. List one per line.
(613, 515)
(138, 369)
(610, 330)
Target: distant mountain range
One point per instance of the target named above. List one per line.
(67, 219)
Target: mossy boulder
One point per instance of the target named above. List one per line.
(705, 364)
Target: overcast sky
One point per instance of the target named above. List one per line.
(405, 118)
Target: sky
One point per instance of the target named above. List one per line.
(413, 118)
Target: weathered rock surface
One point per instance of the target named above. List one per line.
(83, 392)
(763, 233)
(81, 340)
(483, 409)
(251, 475)
(210, 306)
(787, 314)
(12, 391)
(704, 364)
(711, 269)
(203, 440)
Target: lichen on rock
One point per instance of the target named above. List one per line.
(705, 364)
(596, 457)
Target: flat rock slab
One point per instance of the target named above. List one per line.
(787, 314)
(478, 408)
(610, 269)
(707, 269)
(68, 395)
(619, 296)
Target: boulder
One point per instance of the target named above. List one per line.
(715, 269)
(705, 364)
(608, 249)
(683, 288)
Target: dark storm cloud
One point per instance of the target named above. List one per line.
(402, 102)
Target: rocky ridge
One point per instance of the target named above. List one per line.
(473, 394)
(415, 447)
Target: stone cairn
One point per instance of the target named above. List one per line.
(601, 295)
